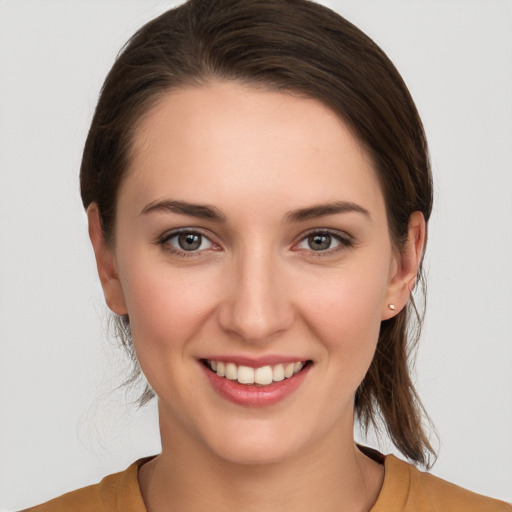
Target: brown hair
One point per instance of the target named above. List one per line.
(300, 47)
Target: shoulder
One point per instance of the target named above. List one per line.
(117, 492)
(407, 489)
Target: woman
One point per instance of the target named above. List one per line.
(257, 187)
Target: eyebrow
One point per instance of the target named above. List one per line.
(185, 208)
(211, 213)
(322, 210)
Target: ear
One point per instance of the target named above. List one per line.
(106, 263)
(405, 268)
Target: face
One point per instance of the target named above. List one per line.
(251, 242)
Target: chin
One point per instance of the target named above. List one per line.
(261, 446)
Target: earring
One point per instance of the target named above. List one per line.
(392, 307)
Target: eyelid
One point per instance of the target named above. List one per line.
(345, 240)
(168, 235)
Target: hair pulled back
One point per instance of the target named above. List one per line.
(302, 48)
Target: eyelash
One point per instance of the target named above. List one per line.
(344, 242)
(164, 240)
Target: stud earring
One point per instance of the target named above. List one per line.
(392, 307)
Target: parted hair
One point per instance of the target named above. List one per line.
(302, 48)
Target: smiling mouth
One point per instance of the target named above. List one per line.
(262, 376)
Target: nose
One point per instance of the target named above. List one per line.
(256, 305)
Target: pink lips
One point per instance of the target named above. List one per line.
(255, 396)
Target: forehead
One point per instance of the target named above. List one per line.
(246, 142)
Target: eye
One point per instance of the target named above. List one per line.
(324, 241)
(186, 241)
(320, 242)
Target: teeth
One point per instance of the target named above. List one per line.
(278, 371)
(231, 371)
(245, 375)
(262, 376)
(288, 370)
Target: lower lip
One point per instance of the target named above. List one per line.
(255, 396)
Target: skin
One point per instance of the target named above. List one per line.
(255, 287)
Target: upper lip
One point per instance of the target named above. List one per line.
(256, 362)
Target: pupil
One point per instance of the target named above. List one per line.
(320, 242)
(189, 241)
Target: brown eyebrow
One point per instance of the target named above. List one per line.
(323, 210)
(185, 208)
(212, 213)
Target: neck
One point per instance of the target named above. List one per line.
(331, 475)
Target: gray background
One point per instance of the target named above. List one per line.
(63, 424)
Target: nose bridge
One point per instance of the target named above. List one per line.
(257, 307)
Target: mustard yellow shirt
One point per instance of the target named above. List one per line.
(405, 489)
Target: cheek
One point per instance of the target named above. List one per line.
(167, 311)
(166, 308)
(345, 315)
